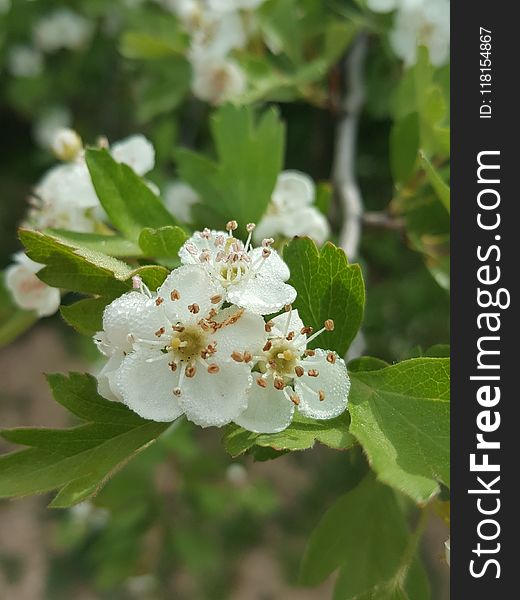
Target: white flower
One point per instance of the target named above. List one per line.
(49, 123)
(181, 351)
(24, 61)
(253, 278)
(179, 197)
(291, 212)
(234, 5)
(27, 290)
(66, 144)
(292, 377)
(217, 80)
(63, 28)
(382, 6)
(136, 152)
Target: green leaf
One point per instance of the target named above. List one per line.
(400, 415)
(365, 535)
(113, 245)
(404, 145)
(366, 363)
(300, 435)
(79, 460)
(328, 288)
(140, 45)
(127, 200)
(162, 243)
(441, 188)
(250, 153)
(86, 316)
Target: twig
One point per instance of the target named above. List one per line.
(344, 171)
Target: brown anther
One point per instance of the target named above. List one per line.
(213, 368)
(312, 373)
(329, 325)
(212, 348)
(175, 295)
(331, 357)
(159, 301)
(310, 352)
(248, 357)
(268, 346)
(212, 313)
(269, 326)
(160, 332)
(178, 328)
(321, 395)
(306, 330)
(287, 307)
(266, 253)
(194, 308)
(204, 325)
(250, 227)
(177, 392)
(216, 299)
(190, 371)
(295, 399)
(290, 336)
(272, 363)
(231, 225)
(261, 382)
(237, 356)
(173, 366)
(279, 383)
(299, 370)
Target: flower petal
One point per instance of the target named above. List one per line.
(147, 387)
(194, 287)
(333, 380)
(198, 244)
(246, 334)
(293, 191)
(136, 152)
(268, 410)
(307, 221)
(107, 384)
(261, 295)
(216, 399)
(273, 266)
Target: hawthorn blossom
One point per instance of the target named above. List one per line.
(217, 79)
(29, 292)
(289, 376)
(24, 61)
(63, 28)
(179, 197)
(291, 211)
(49, 123)
(252, 278)
(175, 352)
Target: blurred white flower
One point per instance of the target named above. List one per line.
(27, 290)
(217, 80)
(233, 5)
(382, 6)
(237, 474)
(179, 197)
(63, 28)
(136, 152)
(66, 144)
(24, 61)
(252, 278)
(183, 351)
(49, 123)
(291, 211)
(288, 376)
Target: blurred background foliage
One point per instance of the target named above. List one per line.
(183, 520)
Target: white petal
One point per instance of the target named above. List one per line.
(199, 244)
(147, 387)
(273, 265)
(29, 292)
(179, 197)
(268, 410)
(106, 378)
(271, 225)
(333, 379)
(247, 334)
(293, 191)
(136, 152)
(262, 295)
(281, 327)
(216, 399)
(68, 186)
(307, 221)
(194, 286)
(382, 6)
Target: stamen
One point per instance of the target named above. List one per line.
(321, 395)
(190, 371)
(331, 357)
(306, 330)
(159, 301)
(173, 366)
(313, 373)
(247, 357)
(290, 336)
(309, 352)
(204, 256)
(237, 356)
(160, 332)
(266, 242)
(261, 382)
(266, 253)
(175, 295)
(177, 391)
(231, 226)
(250, 227)
(269, 326)
(194, 308)
(213, 368)
(279, 383)
(178, 328)
(329, 325)
(268, 346)
(216, 299)
(137, 282)
(299, 370)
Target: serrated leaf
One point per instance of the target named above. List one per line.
(328, 288)
(365, 535)
(86, 316)
(113, 245)
(249, 157)
(400, 415)
(80, 459)
(128, 201)
(302, 434)
(162, 243)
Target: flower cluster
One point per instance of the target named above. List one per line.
(418, 22)
(216, 28)
(200, 345)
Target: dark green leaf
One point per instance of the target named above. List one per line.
(86, 315)
(162, 243)
(404, 145)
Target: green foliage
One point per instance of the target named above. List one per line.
(439, 185)
(164, 242)
(328, 288)
(365, 535)
(113, 245)
(302, 434)
(86, 316)
(127, 200)
(400, 415)
(249, 157)
(76, 461)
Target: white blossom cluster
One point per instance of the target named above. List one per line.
(216, 28)
(199, 346)
(418, 22)
(291, 211)
(60, 29)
